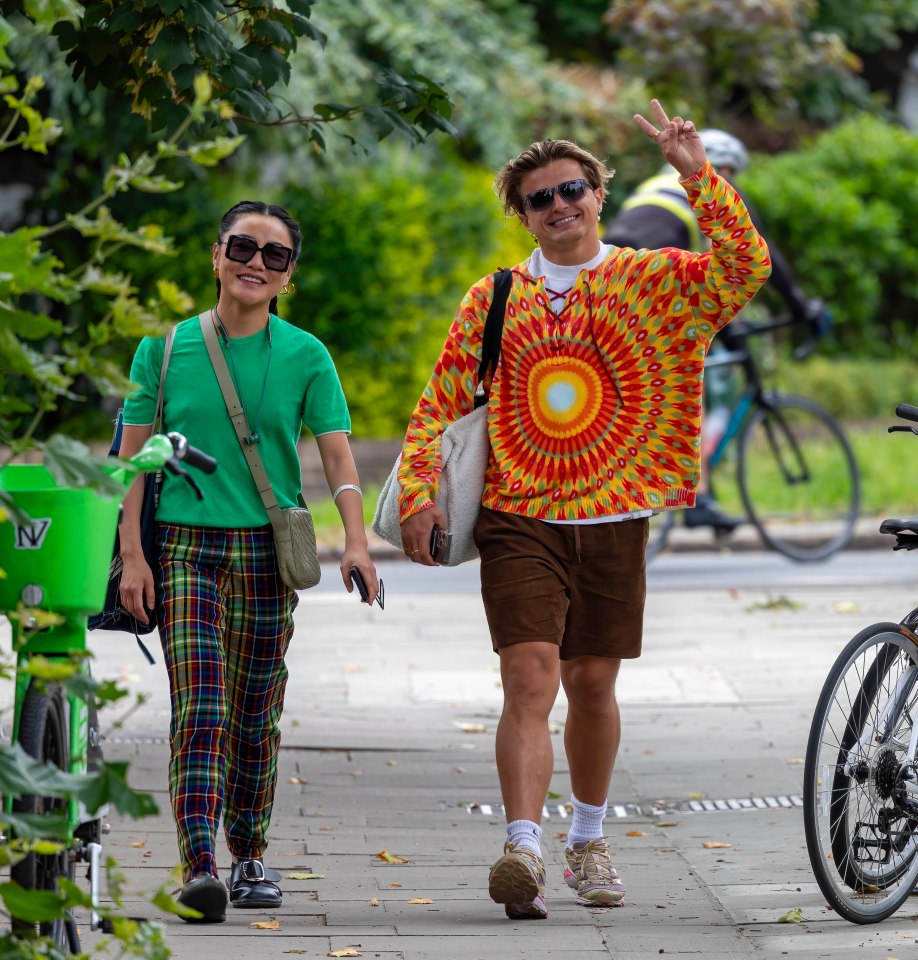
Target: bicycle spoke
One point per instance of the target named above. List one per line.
(798, 478)
(860, 791)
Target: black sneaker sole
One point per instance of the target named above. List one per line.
(207, 896)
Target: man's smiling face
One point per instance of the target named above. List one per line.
(566, 231)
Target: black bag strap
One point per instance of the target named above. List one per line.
(493, 333)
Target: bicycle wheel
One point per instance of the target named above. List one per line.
(659, 528)
(43, 735)
(798, 478)
(860, 788)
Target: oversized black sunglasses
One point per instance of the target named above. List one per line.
(241, 249)
(570, 192)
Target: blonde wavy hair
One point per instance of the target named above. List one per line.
(538, 155)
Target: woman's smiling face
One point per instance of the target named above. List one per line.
(252, 283)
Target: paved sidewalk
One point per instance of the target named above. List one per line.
(388, 746)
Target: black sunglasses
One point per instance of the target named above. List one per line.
(241, 249)
(570, 192)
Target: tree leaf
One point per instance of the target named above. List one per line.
(794, 915)
(387, 857)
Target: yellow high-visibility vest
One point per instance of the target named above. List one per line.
(664, 190)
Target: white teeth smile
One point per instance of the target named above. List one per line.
(249, 279)
(559, 223)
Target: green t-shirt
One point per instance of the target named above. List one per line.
(302, 389)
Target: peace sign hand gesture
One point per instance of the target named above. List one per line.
(677, 139)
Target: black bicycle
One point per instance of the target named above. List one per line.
(798, 479)
(860, 789)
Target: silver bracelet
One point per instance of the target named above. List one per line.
(346, 486)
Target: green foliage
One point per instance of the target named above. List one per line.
(153, 50)
(388, 252)
(507, 92)
(867, 24)
(852, 389)
(726, 57)
(844, 208)
(41, 360)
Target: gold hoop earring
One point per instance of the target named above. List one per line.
(216, 271)
(288, 288)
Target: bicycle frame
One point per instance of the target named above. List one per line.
(64, 523)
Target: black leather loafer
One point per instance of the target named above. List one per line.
(206, 895)
(249, 886)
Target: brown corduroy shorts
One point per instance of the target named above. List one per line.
(581, 586)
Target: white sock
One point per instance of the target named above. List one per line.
(586, 824)
(525, 833)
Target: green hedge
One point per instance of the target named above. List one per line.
(844, 209)
(850, 389)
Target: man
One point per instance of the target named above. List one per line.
(658, 214)
(594, 420)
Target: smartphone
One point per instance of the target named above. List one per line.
(440, 543)
(360, 584)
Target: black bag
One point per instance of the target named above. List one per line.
(113, 616)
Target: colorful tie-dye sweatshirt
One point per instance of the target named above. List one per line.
(596, 412)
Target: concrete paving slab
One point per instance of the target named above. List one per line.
(718, 708)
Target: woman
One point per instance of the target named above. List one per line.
(225, 615)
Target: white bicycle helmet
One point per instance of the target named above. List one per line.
(724, 150)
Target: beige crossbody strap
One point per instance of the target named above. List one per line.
(160, 397)
(237, 416)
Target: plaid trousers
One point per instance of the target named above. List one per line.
(226, 618)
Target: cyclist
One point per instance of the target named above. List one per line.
(658, 214)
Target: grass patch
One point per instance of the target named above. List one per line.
(887, 488)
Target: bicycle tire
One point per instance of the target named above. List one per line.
(43, 735)
(798, 478)
(859, 817)
(658, 533)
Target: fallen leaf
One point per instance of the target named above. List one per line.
(347, 952)
(694, 796)
(305, 876)
(420, 900)
(297, 780)
(387, 857)
(265, 925)
(470, 727)
(637, 833)
(295, 951)
(562, 835)
(356, 773)
(139, 843)
(326, 829)
(395, 883)
(392, 763)
(553, 796)
(781, 602)
(792, 916)
(847, 606)
(374, 902)
(648, 753)
(666, 823)
(458, 769)
(795, 762)
(715, 845)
